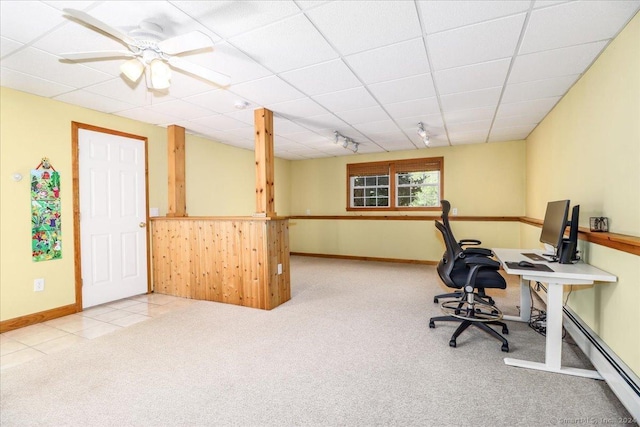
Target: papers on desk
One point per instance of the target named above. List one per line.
(536, 267)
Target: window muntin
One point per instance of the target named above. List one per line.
(413, 184)
(370, 191)
(418, 189)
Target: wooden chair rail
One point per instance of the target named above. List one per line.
(621, 242)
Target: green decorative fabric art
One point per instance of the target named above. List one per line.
(46, 238)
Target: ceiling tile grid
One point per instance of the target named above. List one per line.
(471, 71)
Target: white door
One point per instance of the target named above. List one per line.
(113, 216)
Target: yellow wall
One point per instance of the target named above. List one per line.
(220, 181)
(588, 150)
(482, 179)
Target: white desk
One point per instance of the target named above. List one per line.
(563, 274)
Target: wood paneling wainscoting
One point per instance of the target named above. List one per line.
(232, 260)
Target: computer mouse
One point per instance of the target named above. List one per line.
(525, 264)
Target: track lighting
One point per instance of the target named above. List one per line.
(346, 141)
(423, 134)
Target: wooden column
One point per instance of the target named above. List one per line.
(265, 205)
(177, 189)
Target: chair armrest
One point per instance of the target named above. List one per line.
(477, 251)
(482, 262)
(473, 242)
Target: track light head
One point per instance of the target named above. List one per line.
(423, 133)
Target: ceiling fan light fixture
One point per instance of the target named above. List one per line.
(132, 69)
(160, 74)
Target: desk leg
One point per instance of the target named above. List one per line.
(525, 303)
(553, 350)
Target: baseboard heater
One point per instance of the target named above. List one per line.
(620, 378)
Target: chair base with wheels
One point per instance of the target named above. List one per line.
(469, 312)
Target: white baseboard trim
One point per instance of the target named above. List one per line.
(620, 378)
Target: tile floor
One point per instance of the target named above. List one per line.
(35, 341)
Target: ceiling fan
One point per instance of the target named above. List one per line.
(150, 52)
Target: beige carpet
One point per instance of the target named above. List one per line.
(351, 348)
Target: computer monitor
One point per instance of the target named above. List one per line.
(555, 222)
(553, 227)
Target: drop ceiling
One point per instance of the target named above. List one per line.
(471, 71)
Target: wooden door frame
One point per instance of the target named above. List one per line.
(75, 166)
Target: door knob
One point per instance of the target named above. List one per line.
(142, 224)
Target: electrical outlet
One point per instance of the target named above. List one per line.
(38, 285)
(454, 211)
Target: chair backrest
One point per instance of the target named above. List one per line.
(448, 262)
(446, 207)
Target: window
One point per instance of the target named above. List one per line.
(414, 184)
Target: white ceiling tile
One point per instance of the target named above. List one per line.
(220, 122)
(599, 20)
(229, 18)
(554, 63)
(128, 15)
(244, 116)
(322, 78)
(396, 144)
(269, 90)
(181, 109)
(46, 66)
(42, 18)
(556, 86)
(381, 64)
(546, 3)
(474, 137)
(363, 115)
(94, 101)
(384, 22)
(535, 108)
(276, 47)
(468, 100)
(31, 84)
(381, 126)
(406, 89)
(149, 116)
(472, 77)
(479, 125)
(219, 101)
(444, 15)
(475, 43)
(228, 60)
(412, 108)
(511, 134)
(7, 46)
(307, 137)
(325, 121)
(469, 115)
(284, 126)
(349, 99)
(303, 107)
(503, 122)
(429, 121)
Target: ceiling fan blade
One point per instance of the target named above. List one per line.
(98, 54)
(205, 73)
(96, 23)
(185, 43)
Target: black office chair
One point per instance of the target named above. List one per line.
(468, 274)
(460, 250)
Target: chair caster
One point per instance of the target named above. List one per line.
(505, 330)
(505, 347)
(452, 343)
(435, 300)
(432, 324)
